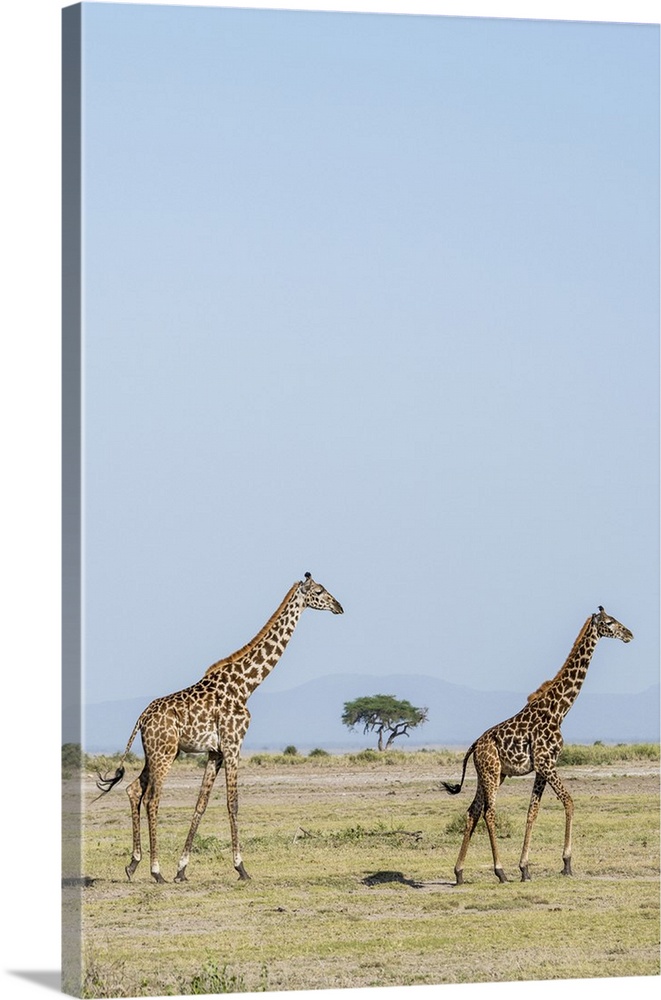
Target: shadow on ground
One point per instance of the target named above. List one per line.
(382, 878)
(386, 877)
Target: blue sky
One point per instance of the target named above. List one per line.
(374, 297)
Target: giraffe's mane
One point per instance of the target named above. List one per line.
(216, 667)
(543, 688)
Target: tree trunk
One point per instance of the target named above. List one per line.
(399, 730)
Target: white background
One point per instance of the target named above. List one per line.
(29, 396)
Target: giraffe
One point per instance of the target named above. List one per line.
(531, 741)
(209, 717)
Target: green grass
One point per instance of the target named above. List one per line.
(352, 864)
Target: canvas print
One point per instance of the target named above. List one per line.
(361, 468)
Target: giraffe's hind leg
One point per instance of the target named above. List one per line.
(211, 770)
(160, 743)
(152, 799)
(491, 787)
(135, 792)
(472, 816)
(533, 809)
(158, 771)
(489, 779)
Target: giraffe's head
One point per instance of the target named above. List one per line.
(317, 597)
(610, 628)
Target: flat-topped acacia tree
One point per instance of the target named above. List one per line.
(383, 714)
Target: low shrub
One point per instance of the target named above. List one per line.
(367, 756)
(210, 845)
(266, 759)
(600, 753)
(216, 979)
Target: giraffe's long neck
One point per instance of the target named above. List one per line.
(255, 661)
(558, 695)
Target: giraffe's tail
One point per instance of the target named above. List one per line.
(106, 784)
(455, 789)
(452, 789)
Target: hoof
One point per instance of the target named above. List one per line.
(181, 876)
(459, 877)
(130, 868)
(158, 878)
(567, 868)
(525, 874)
(243, 874)
(500, 874)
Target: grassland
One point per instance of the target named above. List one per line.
(352, 861)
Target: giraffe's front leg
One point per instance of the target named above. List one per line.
(230, 744)
(231, 769)
(567, 801)
(533, 809)
(214, 764)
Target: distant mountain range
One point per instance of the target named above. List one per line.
(309, 715)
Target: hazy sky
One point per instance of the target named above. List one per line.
(375, 297)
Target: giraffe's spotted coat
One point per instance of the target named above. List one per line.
(531, 741)
(211, 717)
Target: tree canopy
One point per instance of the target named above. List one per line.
(383, 714)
